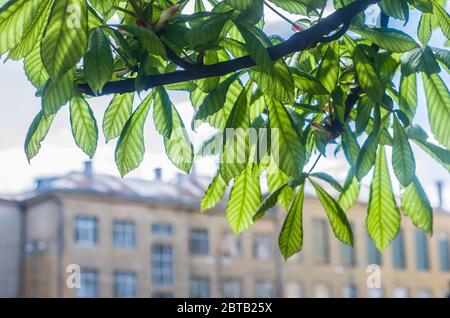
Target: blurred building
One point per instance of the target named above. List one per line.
(136, 238)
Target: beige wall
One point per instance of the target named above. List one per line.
(10, 232)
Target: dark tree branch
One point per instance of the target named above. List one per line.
(296, 43)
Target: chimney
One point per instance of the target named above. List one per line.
(158, 174)
(440, 187)
(88, 168)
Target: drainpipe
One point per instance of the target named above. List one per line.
(60, 246)
(22, 242)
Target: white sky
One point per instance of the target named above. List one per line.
(59, 153)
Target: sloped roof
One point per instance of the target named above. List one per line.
(182, 189)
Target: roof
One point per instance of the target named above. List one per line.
(182, 189)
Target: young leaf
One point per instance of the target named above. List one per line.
(290, 240)
(36, 134)
(286, 148)
(268, 202)
(328, 72)
(338, 220)
(367, 75)
(424, 29)
(130, 148)
(116, 115)
(350, 194)
(98, 61)
(214, 193)
(402, 156)
(84, 125)
(66, 37)
(389, 39)
(329, 179)
(408, 95)
(366, 158)
(350, 146)
(416, 205)
(277, 178)
(383, 218)
(256, 48)
(245, 198)
(57, 93)
(162, 112)
(178, 147)
(438, 102)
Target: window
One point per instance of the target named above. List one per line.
(373, 255)
(294, 290)
(262, 247)
(424, 293)
(162, 294)
(124, 234)
(232, 288)
(86, 230)
(348, 253)
(400, 292)
(88, 284)
(422, 262)
(124, 284)
(162, 264)
(199, 287)
(375, 293)
(162, 229)
(444, 253)
(350, 291)
(322, 290)
(264, 289)
(398, 251)
(231, 246)
(321, 241)
(198, 242)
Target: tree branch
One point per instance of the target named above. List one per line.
(296, 43)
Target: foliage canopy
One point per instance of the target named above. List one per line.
(336, 83)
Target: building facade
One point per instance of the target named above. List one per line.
(135, 238)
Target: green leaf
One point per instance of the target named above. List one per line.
(130, 148)
(278, 85)
(104, 7)
(245, 198)
(383, 218)
(408, 95)
(207, 31)
(15, 17)
(215, 100)
(440, 154)
(336, 216)
(364, 109)
(65, 38)
(290, 240)
(214, 193)
(443, 19)
(307, 83)
(162, 112)
(150, 41)
(57, 93)
(350, 146)
(329, 179)
(277, 178)
(424, 30)
(438, 102)
(242, 5)
(36, 134)
(291, 6)
(268, 202)
(417, 207)
(350, 194)
(402, 156)
(286, 148)
(397, 9)
(84, 125)
(389, 39)
(34, 31)
(178, 147)
(366, 158)
(328, 72)
(98, 61)
(34, 69)
(419, 60)
(256, 48)
(116, 115)
(368, 77)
